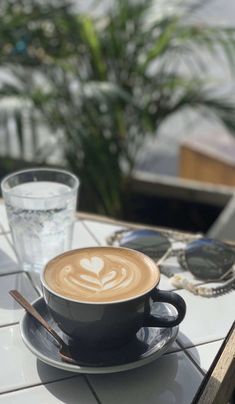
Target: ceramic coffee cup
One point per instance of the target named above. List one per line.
(104, 295)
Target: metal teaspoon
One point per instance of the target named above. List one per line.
(64, 348)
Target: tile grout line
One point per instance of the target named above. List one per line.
(9, 324)
(185, 350)
(7, 236)
(90, 232)
(12, 273)
(194, 362)
(92, 389)
(169, 352)
(3, 230)
(3, 233)
(33, 284)
(200, 343)
(37, 385)
(190, 357)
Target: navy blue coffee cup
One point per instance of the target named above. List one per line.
(112, 323)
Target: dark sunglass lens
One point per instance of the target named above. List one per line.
(209, 259)
(150, 242)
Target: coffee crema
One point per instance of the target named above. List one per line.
(101, 274)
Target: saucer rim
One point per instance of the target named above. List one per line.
(93, 369)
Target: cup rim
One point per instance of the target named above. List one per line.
(135, 252)
(39, 169)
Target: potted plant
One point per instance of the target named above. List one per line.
(104, 82)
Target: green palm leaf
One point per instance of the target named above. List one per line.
(102, 83)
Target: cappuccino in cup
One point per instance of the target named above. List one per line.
(101, 275)
(102, 296)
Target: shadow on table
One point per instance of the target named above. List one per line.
(56, 383)
(49, 373)
(186, 341)
(146, 378)
(190, 345)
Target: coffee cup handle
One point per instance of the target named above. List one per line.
(171, 298)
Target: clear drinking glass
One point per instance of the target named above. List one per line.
(40, 206)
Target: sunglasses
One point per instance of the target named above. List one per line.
(207, 259)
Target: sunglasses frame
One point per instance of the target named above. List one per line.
(179, 280)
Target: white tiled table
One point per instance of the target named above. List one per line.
(174, 378)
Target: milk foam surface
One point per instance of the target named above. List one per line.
(101, 274)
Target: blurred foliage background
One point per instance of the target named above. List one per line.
(101, 83)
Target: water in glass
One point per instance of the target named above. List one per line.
(41, 217)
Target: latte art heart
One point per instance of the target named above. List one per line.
(94, 264)
(100, 274)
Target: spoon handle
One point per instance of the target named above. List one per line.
(31, 310)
